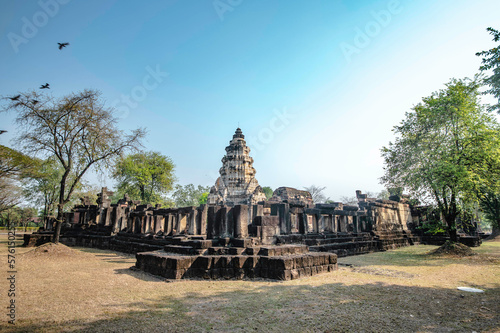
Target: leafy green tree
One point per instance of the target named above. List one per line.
(42, 189)
(145, 176)
(13, 167)
(77, 129)
(10, 194)
(490, 204)
(268, 192)
(204, 198)
(487, 185)
(18, 216)
(190, 195)
(16, 164)
(440, 148)
(491, 61)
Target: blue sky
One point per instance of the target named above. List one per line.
(316, 86)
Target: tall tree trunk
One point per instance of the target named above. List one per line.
(451, 227)
(59, 221)
(60, 208)
(453, 235)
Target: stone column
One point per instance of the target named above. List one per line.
(192, 221)
(212, 214)
(201, 220)
(240, 215)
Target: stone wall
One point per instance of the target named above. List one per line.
(265, 221)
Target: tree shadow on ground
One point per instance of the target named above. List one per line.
(288, 307)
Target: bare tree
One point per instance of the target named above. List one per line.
(316, 193)
(350, 201)
(77, 129)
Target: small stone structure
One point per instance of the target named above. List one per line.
(238, 233)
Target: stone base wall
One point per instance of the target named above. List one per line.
(284, 267)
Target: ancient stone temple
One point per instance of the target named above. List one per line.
(237, 184)
(238, 233)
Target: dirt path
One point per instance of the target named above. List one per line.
(406, 290)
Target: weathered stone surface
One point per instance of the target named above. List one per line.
(292, 196)
(282, 267)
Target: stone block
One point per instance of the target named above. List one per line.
(267, 251)
(332, 258)
(284, 275)
(203, 262)
(238, 262)
(182, 262)
(236, 250)
(251, 262)
(299, 262)
(242, 242)
(225, 262)
(239, 274)
(228, 273)
(252, 250)
(215, 273)
(308, 261)
(263, 263)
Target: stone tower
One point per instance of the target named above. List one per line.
(237, 184)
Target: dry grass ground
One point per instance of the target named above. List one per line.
(406, 290)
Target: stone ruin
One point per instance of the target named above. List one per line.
(238, 233)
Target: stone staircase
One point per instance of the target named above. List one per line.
(342, 244)
(348, 244)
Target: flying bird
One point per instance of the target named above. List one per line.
(15, 98)
(2, 131)
(34, 101)
(62, 45)
(45, 86)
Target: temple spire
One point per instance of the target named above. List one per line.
(237, 183)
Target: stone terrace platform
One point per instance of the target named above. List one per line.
(285, 262)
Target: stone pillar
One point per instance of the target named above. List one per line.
(107, 214)
(212, 214)
(240, 215)
(201, 220)
(143, 225)
(302, 222)
(191, 221)
(167, 227)
(158, 221)
(175, 223)
(258, 210)
(225, 222)
(283, 212)
(116, 219)
(137, 224)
